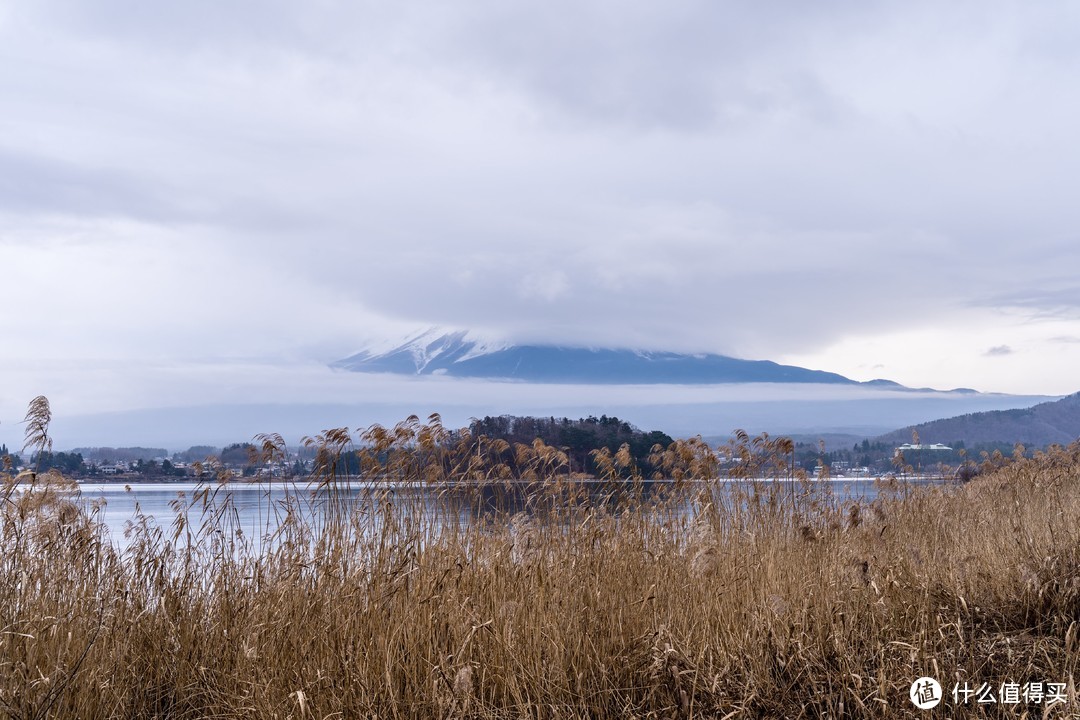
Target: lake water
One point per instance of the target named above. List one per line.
(256, 508)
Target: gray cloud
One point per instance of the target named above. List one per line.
(747, 179)
(1053, 296)
(999, 351)
(693, 68)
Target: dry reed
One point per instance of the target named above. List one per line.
(471, 599)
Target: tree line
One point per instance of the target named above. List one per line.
(577, 438)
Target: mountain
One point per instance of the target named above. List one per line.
(455, 354)
(1036, 426)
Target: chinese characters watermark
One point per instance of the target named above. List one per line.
(926, 693)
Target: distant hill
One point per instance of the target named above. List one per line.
(1036, 426)
(577, 438)
(100, 455)
(457, 354)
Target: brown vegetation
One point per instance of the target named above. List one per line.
(766, 600)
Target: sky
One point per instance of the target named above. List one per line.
(209, 198)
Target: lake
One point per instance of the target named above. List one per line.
(256, 506)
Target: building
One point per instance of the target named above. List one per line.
(906, 447)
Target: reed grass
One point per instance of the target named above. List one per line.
(474, 600)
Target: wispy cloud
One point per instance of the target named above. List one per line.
(999, 351)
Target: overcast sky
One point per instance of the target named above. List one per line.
(188, 190)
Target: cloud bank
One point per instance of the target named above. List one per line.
(845, 186)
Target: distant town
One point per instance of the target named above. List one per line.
(238, 460)
(241, 460)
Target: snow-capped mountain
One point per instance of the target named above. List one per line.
(457, 354)
(430, 352)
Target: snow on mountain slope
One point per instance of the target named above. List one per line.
(461, 354)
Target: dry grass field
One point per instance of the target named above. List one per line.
(772, 600)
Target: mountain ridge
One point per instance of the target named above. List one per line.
(458, 354)
(1056, 421)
